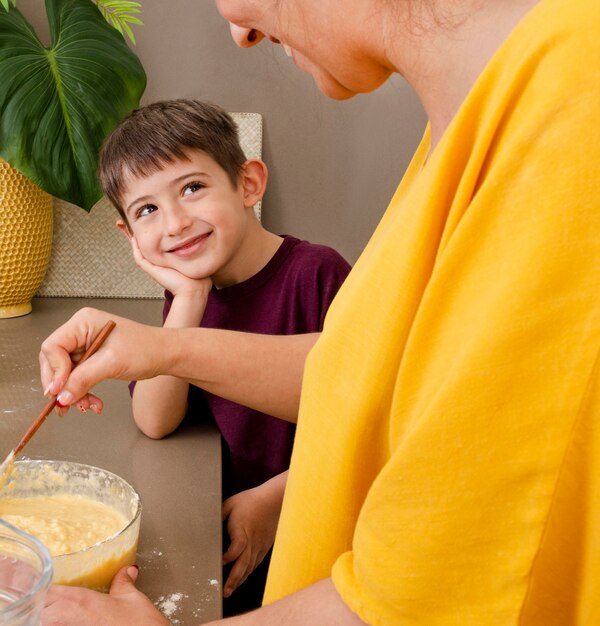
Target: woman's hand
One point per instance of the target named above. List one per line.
(132, 351)
(123, 606)
(252, 518)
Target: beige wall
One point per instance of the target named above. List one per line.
(333, 165)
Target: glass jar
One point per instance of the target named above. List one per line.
(25, 575)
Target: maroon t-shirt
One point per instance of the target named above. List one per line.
(290, 295)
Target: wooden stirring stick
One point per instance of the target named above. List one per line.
(100, 339)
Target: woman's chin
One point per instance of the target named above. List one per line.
(332, 89)
(337, 90)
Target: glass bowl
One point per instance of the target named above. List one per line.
(25, 575)
(95, 565)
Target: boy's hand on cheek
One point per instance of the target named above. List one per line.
(168, 278)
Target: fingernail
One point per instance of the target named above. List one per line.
(96, 410)
(47, 391)
(65, 398)
(133, 571)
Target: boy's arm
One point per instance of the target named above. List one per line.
(159, 403)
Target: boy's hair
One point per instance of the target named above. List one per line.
(160, 133)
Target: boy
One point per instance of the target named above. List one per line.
(184, 190)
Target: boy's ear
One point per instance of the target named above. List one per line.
(122, 226)
(254, 181)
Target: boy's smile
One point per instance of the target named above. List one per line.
(189, 247)
(188, 216)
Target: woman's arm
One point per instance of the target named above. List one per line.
(263, 372)
(317, 605)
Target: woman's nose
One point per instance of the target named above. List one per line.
(245, 37)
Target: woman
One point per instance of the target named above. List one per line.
(449, 410)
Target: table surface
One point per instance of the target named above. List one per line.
(178, 478)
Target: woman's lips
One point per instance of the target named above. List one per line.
(189, 247)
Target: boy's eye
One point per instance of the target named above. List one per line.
(191, 188)
(146, 210)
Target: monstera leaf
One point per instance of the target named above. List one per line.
(58, 104)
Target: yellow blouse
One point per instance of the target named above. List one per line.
(446, 469)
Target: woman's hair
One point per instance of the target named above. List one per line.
(161, 133)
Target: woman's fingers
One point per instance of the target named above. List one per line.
(55, 365)
(90, 402)
(64, 347)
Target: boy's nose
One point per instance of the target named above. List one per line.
(175, 219)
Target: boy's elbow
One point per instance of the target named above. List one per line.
(154, 434)
(153, 431)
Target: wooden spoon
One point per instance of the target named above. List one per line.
(8, 463)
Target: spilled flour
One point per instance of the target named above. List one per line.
(169, 605)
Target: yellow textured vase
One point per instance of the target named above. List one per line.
(25, 240)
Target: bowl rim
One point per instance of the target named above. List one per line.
(130, 523)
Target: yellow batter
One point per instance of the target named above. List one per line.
(7, 468)
(69, 523)
(63, 523)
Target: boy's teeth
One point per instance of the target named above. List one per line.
(287, 49)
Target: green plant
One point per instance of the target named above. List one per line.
(57, 104)
(119, 13)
